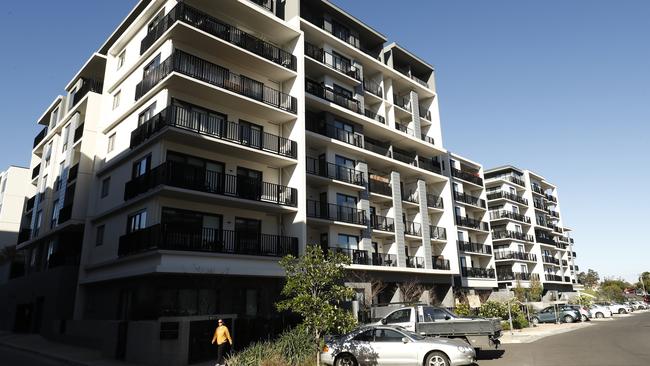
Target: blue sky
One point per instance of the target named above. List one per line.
(559, 87)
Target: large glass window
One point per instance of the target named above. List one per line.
(348, 241)
(141, 166)
(399, 316)
(137, 221)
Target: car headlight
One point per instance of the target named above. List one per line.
(465, 349)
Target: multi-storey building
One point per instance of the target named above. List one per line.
(14, 190)
(527, 231)
(474, 242)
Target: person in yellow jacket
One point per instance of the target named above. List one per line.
(222, 339)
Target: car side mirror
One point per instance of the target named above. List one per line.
(383, 321)
(447, 317)
(405, 340)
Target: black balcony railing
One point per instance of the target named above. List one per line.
(467, 176)
(411, 197)
(65, 213)
(36, 171)
(63, 259)
(514, 276)
(382, 259)
(333, 96)
(87, 86)
(213, 125)
(472, 223)
(404, 157)
(550, 260)
(202, 70)
(414, 262)
(437, 232)
(430, 164)
(326, 169)
(356, 256)
(554, 213)
(427, 139)
(183, 238)
(505, 214)
(334, 212)
(543, 238)
(403, 102)
(434, 201)
(470, 247)
(334, 132)
(501, 194)
(412, 228)
(403, 128)
(560, 245)
(343, 34)
(373, 115)
(377, 147)
(539, 205)
(440, 263)
(332, 61)
(551, 198)
(522, 256)
(382, 223)
(426, 114)
(221, 30)
(379, 187)
(24, 235)
(508, 234)
(469, 199)
(373, 87)
(195, 178)
(40, 136)
(537, 189)
(475, 272)
(552, 277)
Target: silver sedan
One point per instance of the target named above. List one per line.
(387, 346)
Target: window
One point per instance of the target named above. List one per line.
(137, 221)
(433, 314)
(524, 268)
(106, 186)
(147, 114)
(348, 241)
(37, 222)
(461, 236)
(141, 166)
(342, 91)
(99, 236)
(116, 99)
(345, 200)
(388, 335)
(513, 191)
(65, 136)
(518, 228)
(4, 185)
(399, 316)
(55, 214)
(120, 59)
(521, 248)
(54, 117)
(156, 19)
(111, 142)
(367, 336)
(151, 66)
(251, 302)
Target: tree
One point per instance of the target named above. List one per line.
(589, 279)
(645, 277)
(612, 289)
(411, 291)
(520, 292)
(535, 291)
(377, 286)
(314, 290)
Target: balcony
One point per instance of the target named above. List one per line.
(382, 223)
(411, 197)
(414, 262)
(329, 170)
(560, 245)
(537, 189)
(469, 199)
(356, 256)
(472, 223)
(516, 276)
(512, 255)
(506, 195)
(373, 88)
(467, 176)
(440, 263)
(543, 238)
(504, 214)
(377, 147)
(553, 213)
(551, 198)
(330, 95)
(178, 237)
(430, 164)
(470, 247)
(539, 205)
(213, 74)
(24, 235)
(213, 125)
(342, 33)
(565, 263)
(437, 232)
(65, 213)
(508, 234)
(266, 4)
(334, 132)
(221, 30)
(334, 212)
(404, 156)
(550, 260)
(427, 139)
(405, 129)
(474, 272)
(412, 228)
(567, 279)
(510, 178)
(41, 135)
(435, 201)
(553, 277)
(87, 86)
(73, 173)
(382, 259)
(372, 115)
(36, 171)
(332, 61)
(199, 179)
(403, 102)
(379, 187)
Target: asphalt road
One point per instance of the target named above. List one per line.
(12, 357)
(621, 342)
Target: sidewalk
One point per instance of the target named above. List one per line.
(529, 335)
(71, 355)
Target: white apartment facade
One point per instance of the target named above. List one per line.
(530, 240)
(14, 190)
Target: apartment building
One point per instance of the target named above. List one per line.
(14, 190)
(474, 241)
(530, 240)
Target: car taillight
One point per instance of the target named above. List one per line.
(325, 349)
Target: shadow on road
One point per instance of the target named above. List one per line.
(491, 354)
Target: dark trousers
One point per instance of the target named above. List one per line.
(221, 352)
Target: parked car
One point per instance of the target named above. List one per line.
(642, 305)
(616, 308)
(552, 314)
(636, 305)
(385, 345)
(585, 314)
(600, 311)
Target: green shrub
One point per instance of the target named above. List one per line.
(291, 348)
(463, 310)
(493, 309)
(505, 325)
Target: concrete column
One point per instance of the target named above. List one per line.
(399, 223)
(364, 204)
(425, 222)
(415, 108)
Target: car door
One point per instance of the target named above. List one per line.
(402, 318)
(391, 351)
(547, 315)
(362, 347)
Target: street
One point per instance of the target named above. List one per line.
(12, 357)
(622, 341)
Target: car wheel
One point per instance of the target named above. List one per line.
(568, 319)
(535, 320)
(600, 315)
(437, 359)
(584, 318)
(345, 359)
(622, 311)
